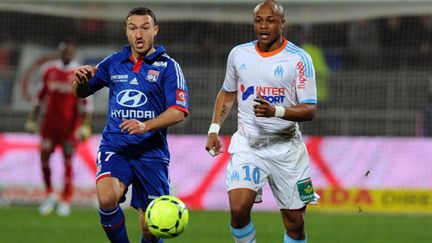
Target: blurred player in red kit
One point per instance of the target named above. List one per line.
(64, 123)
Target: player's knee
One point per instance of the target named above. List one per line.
(239, 213)
(107, 201)
(295, 229)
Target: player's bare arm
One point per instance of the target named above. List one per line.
(82, 75)
(168, 118)
(298, 113)
(223, 105)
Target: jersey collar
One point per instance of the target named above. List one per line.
(271, 53)
(159, 50)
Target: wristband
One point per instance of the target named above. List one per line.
(214, 128)
(279, 111)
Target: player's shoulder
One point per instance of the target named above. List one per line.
(51, 64)
(56, 65)
(111, 58)
(242, 50)
(244, 46)
(165, 61)
(296, 51)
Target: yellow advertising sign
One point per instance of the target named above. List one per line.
(374, 200)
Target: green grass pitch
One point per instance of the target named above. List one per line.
(24, 224)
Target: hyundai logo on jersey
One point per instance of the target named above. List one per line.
(274, 95)
(131, 98)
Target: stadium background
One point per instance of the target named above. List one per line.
(369, 142)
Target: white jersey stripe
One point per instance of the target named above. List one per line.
(180, 77)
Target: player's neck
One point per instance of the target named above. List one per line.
(139, 56)
(272, 46)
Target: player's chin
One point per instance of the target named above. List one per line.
(141, 50)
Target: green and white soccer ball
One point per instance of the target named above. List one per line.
(167, 217)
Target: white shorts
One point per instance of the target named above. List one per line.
(284, 164)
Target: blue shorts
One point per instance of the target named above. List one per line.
(149, 178)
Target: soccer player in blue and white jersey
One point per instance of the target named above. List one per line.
(147, 94)
(273, 81)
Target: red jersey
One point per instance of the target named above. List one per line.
(62, 107)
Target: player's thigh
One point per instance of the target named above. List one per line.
(150, 181)
(246, 170)
(241, 200)
(290, 177)
(114, 174)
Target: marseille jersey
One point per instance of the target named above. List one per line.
(139, 90)
(284, 77)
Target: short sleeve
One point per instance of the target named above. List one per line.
(305, 80)
(175, 88)
(230, 82)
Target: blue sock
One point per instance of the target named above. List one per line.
(113, 222)
(144, 239)
(288, 239)
(245, 234)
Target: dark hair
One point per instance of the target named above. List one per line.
(141, 11)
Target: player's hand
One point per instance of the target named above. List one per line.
(263, 108)
(83, 132)
(30, 125)
(213, 145)
(133, 126)
(84, 73)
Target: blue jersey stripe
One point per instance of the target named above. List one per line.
(308, 101)
(306, 62)
(304, 56)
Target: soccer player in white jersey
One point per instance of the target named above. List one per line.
(274, 83)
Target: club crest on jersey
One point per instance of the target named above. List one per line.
(278, 71)
(152, 75)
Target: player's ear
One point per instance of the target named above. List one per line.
(156, 29)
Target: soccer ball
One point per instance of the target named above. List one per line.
(166, 217)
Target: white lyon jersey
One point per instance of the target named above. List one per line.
(284, 77)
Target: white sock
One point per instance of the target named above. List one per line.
(288, 239)
(245, 234)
